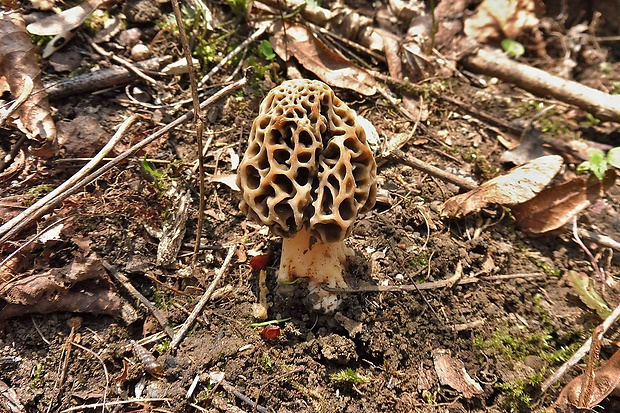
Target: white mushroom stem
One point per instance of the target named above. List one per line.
(304, 256)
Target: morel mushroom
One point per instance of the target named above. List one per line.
(307, 173)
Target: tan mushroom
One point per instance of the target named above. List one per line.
(307, 173)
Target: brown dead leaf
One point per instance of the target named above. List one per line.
(589, 389)
(80, 286)
(17, 67)
(516, 187)
(554, 207)
(298, 41)
(451, 372)
(498, 19)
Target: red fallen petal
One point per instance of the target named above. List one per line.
(270, 332)
(260, 261)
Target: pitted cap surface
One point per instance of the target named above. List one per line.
(307, 163)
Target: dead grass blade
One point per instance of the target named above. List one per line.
(19, 67)
(516, 187)
(555, 206)
(297, 40)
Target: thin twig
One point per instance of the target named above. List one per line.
(137, 295)
(603, 240)
(11, 228)
(116, 403)
(400, 157)
(230, 388)
(135, 69)
(579, 354)
(45, 204)
(262, 28)
(430, 285)
(105, 371)
(176, 340)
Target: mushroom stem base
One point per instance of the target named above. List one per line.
(303, 256)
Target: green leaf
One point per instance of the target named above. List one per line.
(598, 162)
(583, 167)
(613, 157)
(149, 169)
(513, 48)
(267, 50)
(583, 286)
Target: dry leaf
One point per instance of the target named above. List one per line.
(315, 56)
(498, 19)
(80, 286)
(602, 382)
(452, 373)
(63, 25)
(18, 67)
(517, 186)
(555, 206)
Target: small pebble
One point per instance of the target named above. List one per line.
(140, 52)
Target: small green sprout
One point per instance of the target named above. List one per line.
(163, 346)
(267, 50)
(513, 48)
(268, 364)
(37, 377)
(598, 161)
(348, 375)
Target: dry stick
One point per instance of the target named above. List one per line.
(198, 123)
(541, 83)
(581, 353)
(603, 240)
(105, 371)
(430, 285)
(400, 157)
(45, 204)
(102, 79)
(135, 69)
(7, 231)
(203, 300)
(116, 403)
(137, 295)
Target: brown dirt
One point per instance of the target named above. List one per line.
(504, 332)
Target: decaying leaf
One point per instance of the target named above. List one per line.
(584, 287)
(451, 372)
(556, 206)
(516, 187)
(498, 19)
(298, 41)
(173, 229)
(80, 286)
(63, 25)
(589, 389)
(18, 66)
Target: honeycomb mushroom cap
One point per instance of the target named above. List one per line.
(307, 164)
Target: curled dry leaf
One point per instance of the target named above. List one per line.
(516, 187)
(270, 332)
(17, 67)
(589, 389)
(63, 25)
(556, 206)
(451, 372)
(297, 40)
(498, 19)
(80, 286)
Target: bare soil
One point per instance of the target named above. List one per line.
(509, 333)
